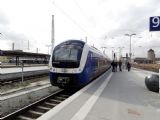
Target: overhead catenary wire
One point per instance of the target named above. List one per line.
(77, 4)
(3, 36)
(6, 38)
(71, 19)
(68, 16)
(82, 12)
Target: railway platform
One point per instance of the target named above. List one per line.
(19, 69)
(113, 96)
(8, 74)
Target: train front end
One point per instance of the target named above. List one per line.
(65, 64)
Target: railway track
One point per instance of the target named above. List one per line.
(38, 108)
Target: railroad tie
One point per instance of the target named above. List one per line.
(24, 118)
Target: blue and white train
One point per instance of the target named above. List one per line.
(74, 64)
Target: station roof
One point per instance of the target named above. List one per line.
(20, 53)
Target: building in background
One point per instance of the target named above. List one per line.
(151, 55)
(151, 58)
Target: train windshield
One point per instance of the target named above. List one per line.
(67, 56)
(67, 53)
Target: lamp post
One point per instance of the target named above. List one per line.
(48, 47)
(103, 49)
(120, 52)
(52, 34)
(113, 54)
(130, 36)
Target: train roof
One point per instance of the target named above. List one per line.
(78, 42)
(82, 43)
(94, 49)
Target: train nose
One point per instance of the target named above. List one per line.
(63, 80)
(152, 83)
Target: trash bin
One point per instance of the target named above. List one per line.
(152, 82)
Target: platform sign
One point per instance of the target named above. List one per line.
(154, 23)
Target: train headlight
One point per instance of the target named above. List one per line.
(52, 69)
(149, 77)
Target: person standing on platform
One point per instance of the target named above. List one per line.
(116, 66)
(120, 65)
(128, 66)
(113, 66)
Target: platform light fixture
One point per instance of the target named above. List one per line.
(130, 36)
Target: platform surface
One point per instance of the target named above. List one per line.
(114, 96)
(19, 69)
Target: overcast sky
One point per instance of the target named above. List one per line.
(104, 22)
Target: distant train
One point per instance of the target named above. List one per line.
(74, 64)
(30, 61)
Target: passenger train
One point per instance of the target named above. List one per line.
(74, 64)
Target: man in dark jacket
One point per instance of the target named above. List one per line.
(120, 65)
(113, 66)
(128, 66)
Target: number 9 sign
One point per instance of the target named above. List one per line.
(154, 23)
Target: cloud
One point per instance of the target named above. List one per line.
(104, 22)
(19, 39)
(133, 19)
(9, 36)
(3, 19)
